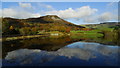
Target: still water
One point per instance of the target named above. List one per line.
(63, 51)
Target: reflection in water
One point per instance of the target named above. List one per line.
(96, 47)
(43, 43)
(59, 51)
(85, 53)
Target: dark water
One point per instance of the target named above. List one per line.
(63, 51)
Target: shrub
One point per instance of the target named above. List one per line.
(25, 31)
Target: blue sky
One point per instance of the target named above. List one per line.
(75, 12)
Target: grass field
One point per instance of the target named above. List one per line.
(92, 33)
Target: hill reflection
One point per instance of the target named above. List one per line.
(82, 51)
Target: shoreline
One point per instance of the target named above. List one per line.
(30, 36)
(20, 37)
(42, 35)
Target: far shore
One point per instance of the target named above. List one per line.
(20, 37)
(51, 34)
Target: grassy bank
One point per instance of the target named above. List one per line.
(92, 34)
(52, 34)
(57, 34)
(20, 37)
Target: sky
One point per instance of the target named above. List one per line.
(75, 12)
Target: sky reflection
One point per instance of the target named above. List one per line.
(80, 50)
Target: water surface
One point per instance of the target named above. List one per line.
(63, 51)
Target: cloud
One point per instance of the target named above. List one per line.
(73, 13)
(85, 13)
(91, 19)
(24, 10)
(45, 6)
(105, 16)
(67, 13)
(14, 13)
(25, 5)
(8, 12)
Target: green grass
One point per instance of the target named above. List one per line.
(105, 29)
(81, 31)
(93, 33)
(86, 34)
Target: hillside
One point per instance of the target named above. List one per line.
(51, 19)
(35, 25)
(103, 25)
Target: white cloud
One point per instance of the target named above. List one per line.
(67, 13)
(8, 12)
(24, 10)
(14, 13)
(105, 16)
(73, 13)
(91, 19)
(85, 13)
(48, 7)
(25, 5)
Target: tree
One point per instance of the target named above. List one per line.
(5, 27)
(34, 30)
(68, 30)
(25, 31)
(11, 28)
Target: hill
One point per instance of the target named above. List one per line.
(103, 25)
(35, 25)
(51, 19)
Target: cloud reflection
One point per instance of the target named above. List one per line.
(80, 50)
